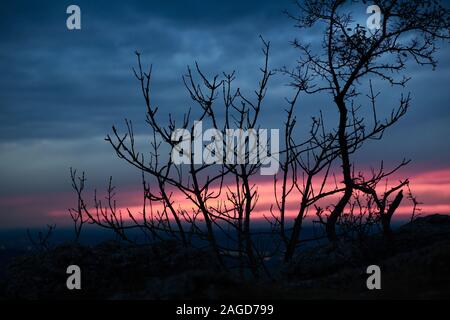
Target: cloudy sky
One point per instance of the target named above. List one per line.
(61, 91)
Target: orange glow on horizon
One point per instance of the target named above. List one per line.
(432, 189)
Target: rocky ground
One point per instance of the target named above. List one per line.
(414, 264)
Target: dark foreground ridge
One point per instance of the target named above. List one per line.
(415, 263)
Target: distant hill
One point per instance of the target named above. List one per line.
(414, 264)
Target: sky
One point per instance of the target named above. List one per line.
(61, 91)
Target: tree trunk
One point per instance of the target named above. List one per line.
(386, 218)
(346, 172)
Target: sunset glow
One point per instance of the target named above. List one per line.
(431, 188)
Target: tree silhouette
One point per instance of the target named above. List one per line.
(223, 196)
(351, 55)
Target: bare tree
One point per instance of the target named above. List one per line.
(214, 209)
(350, 55)
(41, 241)
(76, 214)
(222, 196)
